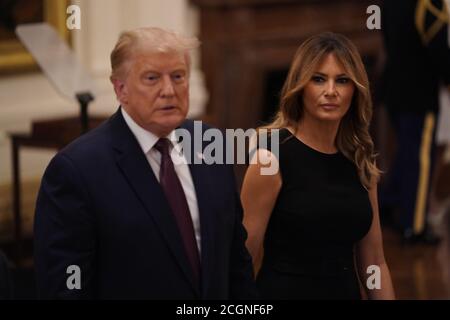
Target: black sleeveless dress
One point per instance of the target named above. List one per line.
(322, 210)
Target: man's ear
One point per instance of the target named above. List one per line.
(119, 89)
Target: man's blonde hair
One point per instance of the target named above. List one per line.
(154, 39)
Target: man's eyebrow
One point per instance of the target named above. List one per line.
(179, 70)
(149, 71)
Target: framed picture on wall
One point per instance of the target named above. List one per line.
(13, 55)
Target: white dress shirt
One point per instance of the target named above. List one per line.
(147, 140)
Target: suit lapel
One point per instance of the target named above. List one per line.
(135, 167)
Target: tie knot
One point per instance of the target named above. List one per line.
(162, 145)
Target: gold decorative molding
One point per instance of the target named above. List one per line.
(442, 18)
(13, 55)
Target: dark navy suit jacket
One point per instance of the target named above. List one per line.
(100, 207)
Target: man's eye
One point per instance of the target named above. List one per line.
(152, 77)
(317, 79)
(178, 77)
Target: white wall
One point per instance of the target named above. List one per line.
(26, 97)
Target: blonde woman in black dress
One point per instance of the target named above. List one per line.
(313, 228)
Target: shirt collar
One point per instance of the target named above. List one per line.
(145, 138)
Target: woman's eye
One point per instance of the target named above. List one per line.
(317, 79)
(343, 80)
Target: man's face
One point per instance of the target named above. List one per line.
(155, 92)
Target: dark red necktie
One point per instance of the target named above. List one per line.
(177, 200)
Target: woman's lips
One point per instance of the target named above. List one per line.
(329, 106)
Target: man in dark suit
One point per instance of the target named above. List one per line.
(119, 214)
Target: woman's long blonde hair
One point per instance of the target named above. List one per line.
(353, 138)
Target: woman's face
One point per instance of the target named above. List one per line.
(328, 94)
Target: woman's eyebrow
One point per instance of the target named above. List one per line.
(325, 75)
